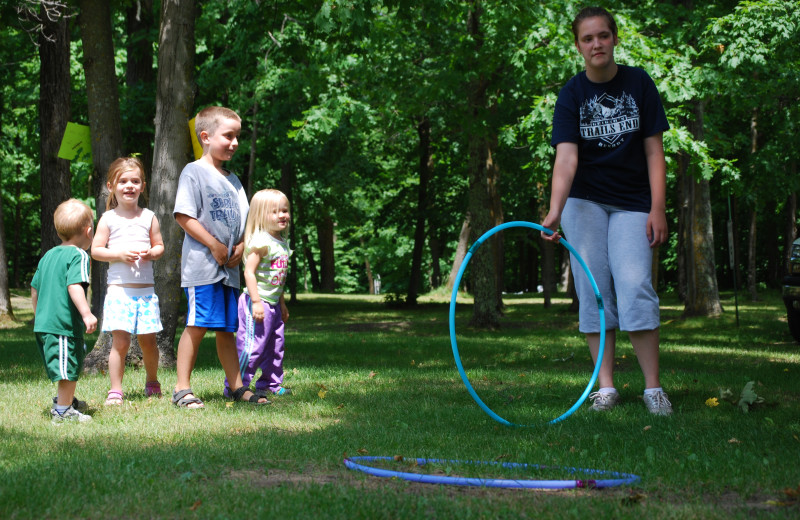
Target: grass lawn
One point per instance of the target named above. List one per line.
(380, 381)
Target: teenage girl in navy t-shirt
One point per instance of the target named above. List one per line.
(608, 195)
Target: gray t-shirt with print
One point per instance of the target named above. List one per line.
(218, 202)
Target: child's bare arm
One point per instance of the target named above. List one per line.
(156, 242)
(284, 310)
(196, 230)
(250, 266)
(78, 297)
(34, 300)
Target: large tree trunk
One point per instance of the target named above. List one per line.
(105, 121)
(325, 237)
(702, 293)
(54, 113)
(425, 172)
(173, 149)
(752, 282)
(485, 311)
(105, 125)
(140, 79)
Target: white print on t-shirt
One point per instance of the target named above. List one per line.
(608, 119)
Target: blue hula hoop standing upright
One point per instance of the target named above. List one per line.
(454, 343)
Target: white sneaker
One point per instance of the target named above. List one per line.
(658, 403)
(604, 401)
(69, 415)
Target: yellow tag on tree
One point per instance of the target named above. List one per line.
(76, 145)
(198, 150)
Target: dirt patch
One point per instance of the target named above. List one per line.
(755, 504)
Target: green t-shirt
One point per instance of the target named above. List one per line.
(59, 268)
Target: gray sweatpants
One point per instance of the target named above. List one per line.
(613, 243)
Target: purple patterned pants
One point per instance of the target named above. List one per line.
(259, 345)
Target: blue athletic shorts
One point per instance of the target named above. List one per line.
(132, 309)
(213, 307)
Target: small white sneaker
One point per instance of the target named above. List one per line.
(658, 403)
(69, 415)
(604, 401)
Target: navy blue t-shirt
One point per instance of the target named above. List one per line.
(609, 122)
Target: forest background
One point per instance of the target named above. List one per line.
(401, 132)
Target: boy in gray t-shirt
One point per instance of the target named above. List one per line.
(211, 207)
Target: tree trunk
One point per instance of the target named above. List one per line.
(435, 246)
(312, 265)
(425, 172)
(6, 312)
(461, 252)
(325, 237)
(173, 149)
(485, 311)
(105, 122)
(702, 294)
(54, 113)
(140, 79)
(548, 261)
(752, 282)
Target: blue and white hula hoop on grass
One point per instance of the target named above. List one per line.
(617, 479)
(453, 342)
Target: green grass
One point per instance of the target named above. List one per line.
(380, 381)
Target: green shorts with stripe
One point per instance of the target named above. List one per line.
(63, 358)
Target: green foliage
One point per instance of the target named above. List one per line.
(333, 91)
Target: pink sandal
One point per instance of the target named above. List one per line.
(115, 398)
(152, 389)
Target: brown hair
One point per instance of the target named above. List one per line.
(208, 119)
(71, 218)
(591, 12)
(117, 168)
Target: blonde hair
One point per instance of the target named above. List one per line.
(208, 119)
(263, 203)
(71, 218)
(115, 171)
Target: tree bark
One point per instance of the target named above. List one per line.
(105, 121)
(752, 282)
(173, 149)
(54, 113)
(461, 252)
(6, 311)
(702, 295)
(325, 237)
(425, 169)
(140, 79)
(481, 205)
